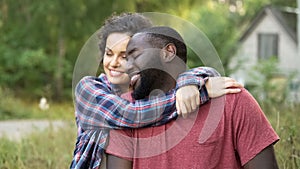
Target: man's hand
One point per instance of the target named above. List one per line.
(219, 86)
(187, 100)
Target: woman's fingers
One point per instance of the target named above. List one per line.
(185, 110)
(178, 107)
(219, 86)
(230, 82)
(187, 100)
(233, 90)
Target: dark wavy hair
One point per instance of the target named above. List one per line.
(129, 23)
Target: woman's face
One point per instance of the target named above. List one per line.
(114, 60)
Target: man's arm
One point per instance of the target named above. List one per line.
(265, 159)
(114, 162)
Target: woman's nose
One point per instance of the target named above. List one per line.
(115, 61)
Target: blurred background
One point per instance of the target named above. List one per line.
(257, 41)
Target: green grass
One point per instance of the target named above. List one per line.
(287, 123)
(48, 149)
(12, 107)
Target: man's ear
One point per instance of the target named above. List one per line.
(169, 52)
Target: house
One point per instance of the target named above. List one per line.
(272, 33)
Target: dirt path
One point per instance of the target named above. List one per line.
(16, 129)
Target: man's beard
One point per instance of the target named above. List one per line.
(150, 79)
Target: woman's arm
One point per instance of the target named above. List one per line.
(203, 82)
(98, 107)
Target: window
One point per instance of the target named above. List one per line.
(267, 45)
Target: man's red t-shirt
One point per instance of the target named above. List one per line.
(227, 132)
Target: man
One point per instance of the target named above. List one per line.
(99, 108)
(229, 132)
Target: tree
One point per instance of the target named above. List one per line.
(53, 31)
(40, 40)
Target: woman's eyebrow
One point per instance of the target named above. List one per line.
(107, 48)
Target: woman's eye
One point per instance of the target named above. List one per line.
(123, 56)
(108, 53)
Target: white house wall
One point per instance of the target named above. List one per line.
(288, 59)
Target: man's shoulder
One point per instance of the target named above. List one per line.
(241, 97)
(242, 105)
(233, 105)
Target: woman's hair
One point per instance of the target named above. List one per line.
(129, 23)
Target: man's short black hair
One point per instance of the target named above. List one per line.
(160, 36)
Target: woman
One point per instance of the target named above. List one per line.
(93, 94)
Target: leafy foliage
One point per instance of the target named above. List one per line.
(271, 88)
(40, 40)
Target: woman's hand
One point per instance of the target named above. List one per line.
(187, 100)
(188, 97)
(219, 86)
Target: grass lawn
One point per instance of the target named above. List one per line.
(49, 149)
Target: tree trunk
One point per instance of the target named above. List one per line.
(59, 81)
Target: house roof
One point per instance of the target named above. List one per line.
(287, 19)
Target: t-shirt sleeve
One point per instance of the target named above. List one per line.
(253, 131)
(121, 144)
